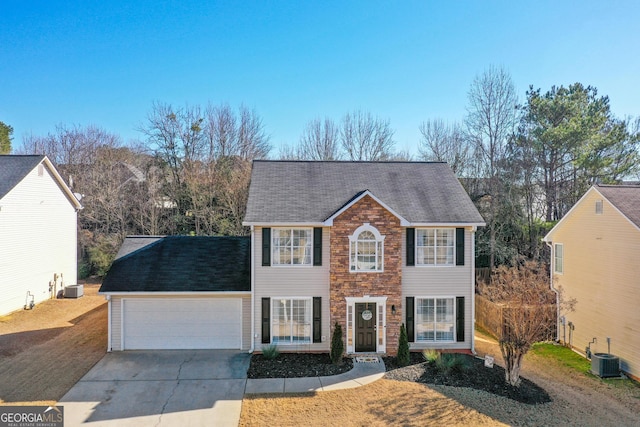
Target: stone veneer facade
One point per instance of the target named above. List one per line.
(387, 283)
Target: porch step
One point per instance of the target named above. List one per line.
(367, 359)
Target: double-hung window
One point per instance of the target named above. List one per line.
(366, 250)
(435, 319)
(435, 246)
(291, 246)
(291, 320)
(558, 258)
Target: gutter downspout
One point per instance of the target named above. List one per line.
(108, 298)
(253, 276)
(473, 289)
(551, 270)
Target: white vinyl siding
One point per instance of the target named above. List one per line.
(601, 253)
(442, 282)
(38, 239)
(234, 334)
(300, 282)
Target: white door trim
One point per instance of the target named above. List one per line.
(381, 322)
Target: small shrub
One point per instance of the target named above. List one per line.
(270, 351)
(403, 347)
(337, 346)
(431, 356)
(452, 362)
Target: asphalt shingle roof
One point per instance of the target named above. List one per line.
(183, 264)
(311, 191)
(13, 169)
(624, 197)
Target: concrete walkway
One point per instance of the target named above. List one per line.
(364, 372)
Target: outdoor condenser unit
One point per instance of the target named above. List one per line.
(605, 365)
(75, 291)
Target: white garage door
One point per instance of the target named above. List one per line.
(182, 323)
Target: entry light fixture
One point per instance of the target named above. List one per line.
(393, 309)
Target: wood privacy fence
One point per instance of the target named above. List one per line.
(490, 316)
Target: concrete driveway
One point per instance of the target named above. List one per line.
(160, 388)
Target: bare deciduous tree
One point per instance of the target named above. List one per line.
(319, 141)
(528, 312)
(364, 137)
(490, 122)
(444, 143)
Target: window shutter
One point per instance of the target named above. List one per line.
(317, 319)
(266, 320)
(459, 246)
(411, 246)
(266, 247)
(317, 246)
(409, 317)
(459, 319)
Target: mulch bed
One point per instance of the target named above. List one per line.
(475, 376)
(296, 365)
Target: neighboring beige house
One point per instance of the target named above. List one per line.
(38, 232)
(595, 258)
(370, 245)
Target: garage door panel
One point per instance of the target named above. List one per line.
(182, 323)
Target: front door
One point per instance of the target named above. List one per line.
(365, 327)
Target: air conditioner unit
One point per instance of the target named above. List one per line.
(75, 291)
(605, 365)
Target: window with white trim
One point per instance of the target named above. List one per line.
(366, 249)
(291, 320)
(291, 246)
(435, 319)
(435, 246)
(558, 258)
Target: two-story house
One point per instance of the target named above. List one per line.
(369, 245)
(38, 232)
(595, 249)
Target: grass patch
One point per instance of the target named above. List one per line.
(569, 358)
(563, 355)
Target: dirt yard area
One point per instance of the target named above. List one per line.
(577, 400)
(45, 351)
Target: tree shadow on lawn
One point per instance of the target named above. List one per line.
(472, 374)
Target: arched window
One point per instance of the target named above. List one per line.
(367, 249)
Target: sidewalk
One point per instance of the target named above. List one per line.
(364, 372)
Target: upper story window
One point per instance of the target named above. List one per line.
(435, 246)
(366, 249)
(291, 246)
(558, 258)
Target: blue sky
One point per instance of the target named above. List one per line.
(105, 62)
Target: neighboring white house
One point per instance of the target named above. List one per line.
(595, 259)
(38, 232)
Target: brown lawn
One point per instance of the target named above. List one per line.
(381, 403)
(45, 351)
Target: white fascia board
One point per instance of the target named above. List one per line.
(329, 221)
(547, 237)
(65, 188)
(473, 225)
(283, 224)
(177, 294)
